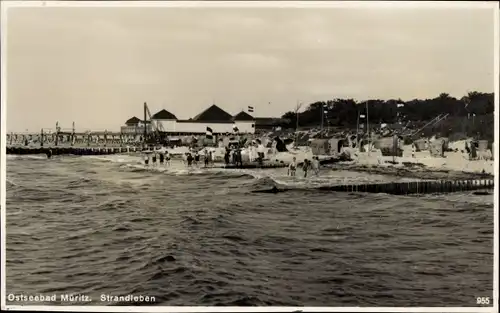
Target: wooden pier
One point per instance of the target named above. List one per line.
(404, 188)
(71, 150)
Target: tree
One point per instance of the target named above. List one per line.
(345, 112)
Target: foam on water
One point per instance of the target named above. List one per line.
(26, 157)
(280, 176)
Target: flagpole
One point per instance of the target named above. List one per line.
(357, 128)
(368, 129)
(322, 113)
(297, 108)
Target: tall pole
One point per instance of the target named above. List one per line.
(322, 113)
(297, 108)
(73, 135)
(145, 125)
(357, 128)
(57, 134)
(368, 129)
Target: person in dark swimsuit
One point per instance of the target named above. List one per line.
(167, 158)
(196, 158)
(240, 158)
(305, 167)
(226, 157)
(190, 160)
(49, 153)
(154, 159)
(206, 158)
(162, 158)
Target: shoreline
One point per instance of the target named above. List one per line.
(417, 172)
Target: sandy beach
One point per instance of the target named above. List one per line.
(423, 165)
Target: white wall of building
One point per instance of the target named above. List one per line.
(245, 126)
(173, 126)
(168, 125)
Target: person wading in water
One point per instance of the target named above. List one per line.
(189, 160)
(206, 158)
(167, 158)
(162, 158)
(226, 157)
(154, 159)
(305, 167)
(292, 167)
(196, 158)
(315, 165)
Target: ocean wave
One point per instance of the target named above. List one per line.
(27, 157)
(199, 238)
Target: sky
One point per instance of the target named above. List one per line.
(97, 66)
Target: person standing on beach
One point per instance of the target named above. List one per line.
(146, 160)
(292, 167)
(226, 157)
(315, 165)
(211, 157)
(167, 158)
(238, 157)
(305, 167)
(196, 158)
(154, 159)
(162, 158)
(189, 160)
(413, 149)
(206, 158)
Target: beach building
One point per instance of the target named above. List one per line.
(215, 118)
(135, 126)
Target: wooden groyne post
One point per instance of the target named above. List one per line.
(416, 187)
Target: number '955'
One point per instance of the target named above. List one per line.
(483, 300)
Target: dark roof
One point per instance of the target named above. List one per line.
(213, 113)
(164, 115)
(133, 120)
(243, 116)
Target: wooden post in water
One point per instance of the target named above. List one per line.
(72, 138)
(57, 134)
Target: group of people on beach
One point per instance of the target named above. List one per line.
(193, 158)
(233, 156)
(163, 158)
(306, 166)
